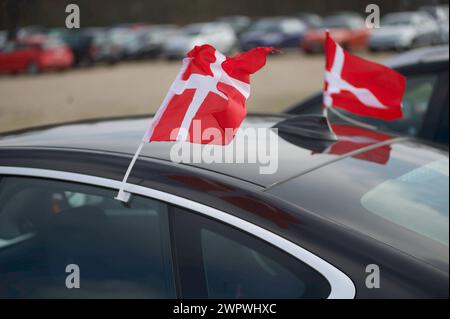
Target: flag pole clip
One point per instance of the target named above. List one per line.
(123, 195)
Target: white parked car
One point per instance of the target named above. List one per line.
(405, 30)
(219, 35)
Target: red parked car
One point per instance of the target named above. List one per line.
(35, 54)
(347, 29)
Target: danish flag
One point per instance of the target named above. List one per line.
(360, 86)
(210, 88)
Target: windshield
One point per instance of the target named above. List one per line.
(337, 22)
(193, 30)
(266, 26)
(397, 19)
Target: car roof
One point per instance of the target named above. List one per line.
(420, 56)
(295, 155)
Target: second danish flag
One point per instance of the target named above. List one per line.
(361, 87)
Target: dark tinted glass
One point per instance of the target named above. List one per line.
(232, 264)
(121, 251)
(396, 194)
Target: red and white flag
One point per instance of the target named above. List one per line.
(360, 86)
(210, 89)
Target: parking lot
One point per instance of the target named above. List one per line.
(139, 87)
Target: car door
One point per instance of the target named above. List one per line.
(7, 62)
(62, 239)
(24, 54)
(426, 30)
(152, 247)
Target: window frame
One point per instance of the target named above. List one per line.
(163, 224)
(342, 287)
(188, 227)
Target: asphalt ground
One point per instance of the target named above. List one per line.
(139, 87)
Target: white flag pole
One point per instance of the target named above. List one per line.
(122, 195)
(325, 111)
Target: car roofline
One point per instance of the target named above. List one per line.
(144, 157)
(261, 187)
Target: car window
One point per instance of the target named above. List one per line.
(292, 26)
(337, 22)
(45, 225)
(52, 43)
(397, 19)
(237, 265)
(266, 25)
(396, 194)
(24, 46)
(417, 200)
(9, 47)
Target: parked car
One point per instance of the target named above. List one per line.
(127, 42)
(310, 230)
(80, 43)
(219, 35)
(102, 48)
(441, 16)
(425, 103)
(403, 31)
(34, 54)
(238, 23)
(347, 29)
(153, 38)
(312, 20)
(280, 32)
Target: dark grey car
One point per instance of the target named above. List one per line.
(334, 212)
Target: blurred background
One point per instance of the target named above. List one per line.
(126, 54)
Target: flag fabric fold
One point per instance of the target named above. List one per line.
(211, 90)
(361, 87)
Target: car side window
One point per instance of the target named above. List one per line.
(22, 46)
(8, 47)
(232, 264)
(46, 225)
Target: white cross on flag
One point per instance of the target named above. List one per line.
(360, 86)
(210, 88)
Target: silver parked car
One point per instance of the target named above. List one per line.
(405, 30)
(440, 14)
(220, 35)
